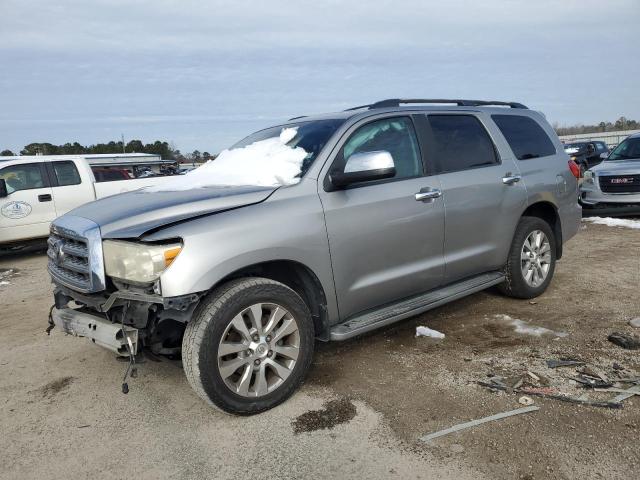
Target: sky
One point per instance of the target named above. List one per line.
(203, 75)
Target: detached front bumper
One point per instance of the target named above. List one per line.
(112, 336)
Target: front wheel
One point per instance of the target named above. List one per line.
(249, 345)
(532, 259)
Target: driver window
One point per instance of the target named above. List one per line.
(395, 135)
(24, 176)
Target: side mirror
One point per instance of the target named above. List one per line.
(3, 188)
(364, 167)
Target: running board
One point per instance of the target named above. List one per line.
(413, 306)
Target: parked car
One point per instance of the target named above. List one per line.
(110, 174)
(36, 189)
(398, 209)
(587, 154)
(613, 187)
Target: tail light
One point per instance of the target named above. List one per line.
(575, 169)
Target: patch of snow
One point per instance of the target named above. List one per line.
(614, 222)
(520, 326)
(428, 332)
(4, 283)
(269, 163)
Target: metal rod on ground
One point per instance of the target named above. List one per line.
(479, 421)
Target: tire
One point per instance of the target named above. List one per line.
(516, 284)
(217, 327)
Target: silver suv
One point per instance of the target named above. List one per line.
(398, 207)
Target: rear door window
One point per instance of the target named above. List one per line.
(66, 173)
(460, 143)
(525, 136)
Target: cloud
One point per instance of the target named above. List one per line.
(206, 73)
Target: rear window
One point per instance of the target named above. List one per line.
(526, 138)
(461, 143)
(66, 173)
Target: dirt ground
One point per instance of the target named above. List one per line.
(366, 403)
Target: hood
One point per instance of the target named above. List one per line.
(132, 214)
(618, 167)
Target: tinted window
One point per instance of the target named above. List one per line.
(461, 142)
(394, 135)
(526, 138)
(23, 177)
(66, 173)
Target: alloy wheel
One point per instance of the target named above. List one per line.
(535, 258)
(258, 349)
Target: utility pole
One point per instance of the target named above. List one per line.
(122, 136)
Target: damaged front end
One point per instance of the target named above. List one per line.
(123, 315)
(124, 321)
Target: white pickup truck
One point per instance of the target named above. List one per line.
(34, 190)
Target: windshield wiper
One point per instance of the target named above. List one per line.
(528, 156)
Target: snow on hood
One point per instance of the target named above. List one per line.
(268, 163)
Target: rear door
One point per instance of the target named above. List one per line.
(483, 196)
(70, 189)
(28, 209)
(385, 243)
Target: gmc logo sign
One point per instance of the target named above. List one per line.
(622, 180)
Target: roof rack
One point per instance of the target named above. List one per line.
(396, 102)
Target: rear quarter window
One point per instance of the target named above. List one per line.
(525, 136)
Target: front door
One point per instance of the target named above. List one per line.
(28, 209)
(385, 244)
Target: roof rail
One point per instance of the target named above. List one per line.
(396, 102)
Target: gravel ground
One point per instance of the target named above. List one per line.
(365, 405)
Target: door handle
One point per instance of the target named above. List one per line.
(45, 197)
(510, 179)
(427, 195)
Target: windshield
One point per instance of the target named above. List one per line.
(629, 148)
(276, 156)
(310, 136)
(575, 147)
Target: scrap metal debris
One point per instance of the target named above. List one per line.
(548, 392)
(479, 421)
(630, 342)
(564, 363)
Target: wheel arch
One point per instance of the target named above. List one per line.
(548, 212)
(298, 277)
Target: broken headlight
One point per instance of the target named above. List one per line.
(137, 262)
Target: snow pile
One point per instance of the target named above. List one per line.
(427, 332)
(524, 328)
(614, 222)
(268, 163)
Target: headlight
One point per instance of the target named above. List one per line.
(137, 262)
(588, 176)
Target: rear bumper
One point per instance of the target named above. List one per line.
(115, 337)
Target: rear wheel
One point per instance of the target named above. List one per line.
(532, 259)
(249, 345)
